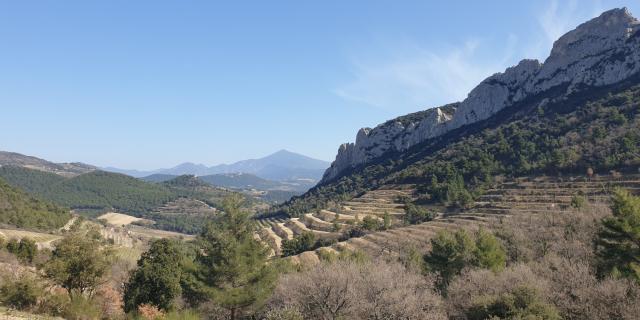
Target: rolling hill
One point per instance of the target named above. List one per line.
(64, 169)
(18, 209)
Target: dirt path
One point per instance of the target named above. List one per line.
(69, 223)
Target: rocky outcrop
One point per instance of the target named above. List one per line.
(602, 51)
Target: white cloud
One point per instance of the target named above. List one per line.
(419, 76)
(414, 77)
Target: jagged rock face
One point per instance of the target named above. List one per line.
(602, 51)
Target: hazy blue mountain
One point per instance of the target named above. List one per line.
(158, 177)
(280, 166)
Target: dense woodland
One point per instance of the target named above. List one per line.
(570, 136)
(18, 209)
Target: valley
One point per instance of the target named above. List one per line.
(521, 201)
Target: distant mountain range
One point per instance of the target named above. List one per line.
(280, 166)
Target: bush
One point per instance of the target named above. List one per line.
(453, 252)
(348, 290)
(301, 243)
(26, 249)
(82, 308)
(521, 303)
(415, 214)
(22, 293)
(578, 201)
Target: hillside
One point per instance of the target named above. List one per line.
(64, 169)
(94, 190)
(18, 209)
(565, 121)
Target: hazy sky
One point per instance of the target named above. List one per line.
(147, 84)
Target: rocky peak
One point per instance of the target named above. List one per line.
(599, 52)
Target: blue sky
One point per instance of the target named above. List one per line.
(148, 84)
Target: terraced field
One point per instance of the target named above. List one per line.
(525, 196)
(330, 224)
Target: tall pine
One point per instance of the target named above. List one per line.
(231, 267)
(618, 242)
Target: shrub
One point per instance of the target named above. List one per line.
(415, 214)
(348, 290)
(578, 201)
(301, 243)
(480, 292)
(25, 249)
(82, 308)
(150, 312)
(22, 293)
(370, 223)
(452, 252)
(521, 303)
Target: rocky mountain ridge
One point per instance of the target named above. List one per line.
(600, 52)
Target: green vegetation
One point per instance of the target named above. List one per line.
(601, 132)
(415, 214)
(21, 294)
(156, 280)
(301, 243)
(25, 249)
(78, 264)
(23, 211)
(522, 303)
(619, 239)
(94, 190)
(453, 252)
(231, 266)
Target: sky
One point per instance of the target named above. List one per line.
(151, 84)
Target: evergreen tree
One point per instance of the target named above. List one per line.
(618, 243)
(490, 253)
(450, 253)
(231, 266)
(156, 281)
(303, 242)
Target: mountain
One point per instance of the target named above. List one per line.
(576, 111)
(158, 177)
(281, 166)
(63, 169)
(598, 53)
(18, 209)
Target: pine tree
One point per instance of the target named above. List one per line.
(231, 267)
(156, 281)
(490, 253)
(450, 253)
(618, 243)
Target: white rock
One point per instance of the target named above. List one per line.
(602, 51)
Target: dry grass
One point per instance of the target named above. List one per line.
(118, 219)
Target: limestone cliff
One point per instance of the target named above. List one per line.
(602, 51)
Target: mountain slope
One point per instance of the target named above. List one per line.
(94, 190)
(589, 119)
(64, 169)
(598, 53)
(18, 209)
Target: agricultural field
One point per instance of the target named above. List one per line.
(118, 219)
